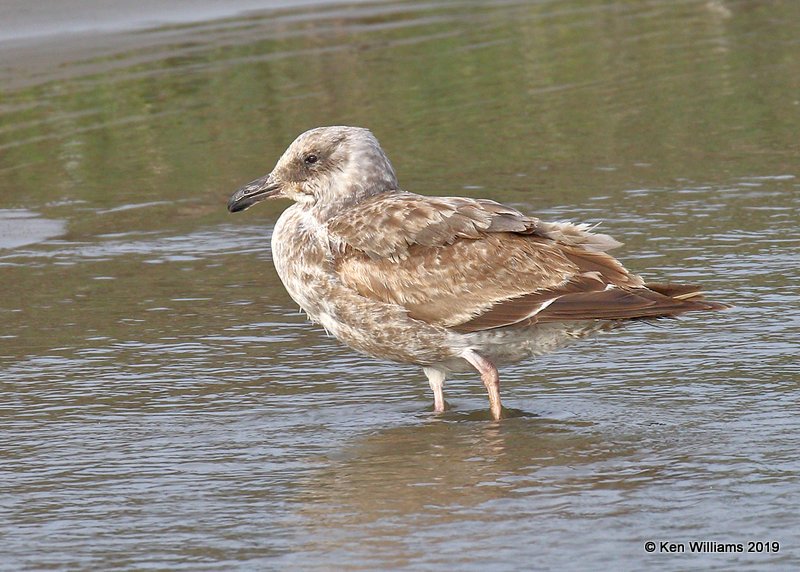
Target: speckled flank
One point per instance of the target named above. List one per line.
(306, 267)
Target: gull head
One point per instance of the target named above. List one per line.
(325, 169)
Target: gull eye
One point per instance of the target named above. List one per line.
(310, 159)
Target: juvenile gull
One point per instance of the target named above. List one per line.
(446, 283)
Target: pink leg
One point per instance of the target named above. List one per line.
(436, 379)
(490, 378)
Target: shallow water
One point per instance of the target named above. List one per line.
(166, 407)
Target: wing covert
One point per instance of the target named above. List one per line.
(468, 264)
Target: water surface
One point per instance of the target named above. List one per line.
(166, 407)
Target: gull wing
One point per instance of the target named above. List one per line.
(473, 265)
(388, 224)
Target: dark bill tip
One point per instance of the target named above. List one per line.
(253, 192)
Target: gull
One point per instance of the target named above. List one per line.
(445, 283)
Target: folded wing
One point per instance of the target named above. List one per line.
(473, 265)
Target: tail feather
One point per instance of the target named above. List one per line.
(650, 301)
(685, 292)
(590, 298)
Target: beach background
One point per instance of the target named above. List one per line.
(165, 406)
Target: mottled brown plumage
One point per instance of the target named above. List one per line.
(441, 282)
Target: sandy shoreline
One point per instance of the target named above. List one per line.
(59, 39)
(25, 20)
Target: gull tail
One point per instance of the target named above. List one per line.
(648, 301)
(686, 292)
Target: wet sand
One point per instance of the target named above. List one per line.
(52, 40)
(26, 20)
(19, 227)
